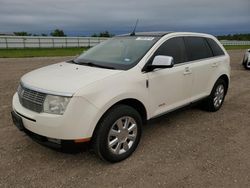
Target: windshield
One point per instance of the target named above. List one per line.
(118, 53)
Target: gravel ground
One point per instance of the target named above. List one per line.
(187, 148)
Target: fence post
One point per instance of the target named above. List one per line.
(78, 42)
(39, 42)
(66, 42)
(53, 42)
(89, 42)
(24, 43)
(6, 43)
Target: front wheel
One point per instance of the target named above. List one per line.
(246, 64)
(217, 96)
(118, 133)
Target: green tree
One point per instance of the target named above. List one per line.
(105, 34)
(235, 37)
(102, 34)
(58, 33)
(22, 33)
(94, 35)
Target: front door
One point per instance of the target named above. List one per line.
(170, 88)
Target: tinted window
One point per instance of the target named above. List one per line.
(215, 47)
(197, 48)
(174, 47)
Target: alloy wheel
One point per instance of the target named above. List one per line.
(219, 95)
(122, 135)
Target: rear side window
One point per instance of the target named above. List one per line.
(217, 51)
(197, 48)
(174, 47)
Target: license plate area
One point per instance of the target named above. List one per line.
(17, 120)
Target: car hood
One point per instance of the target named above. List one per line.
(64, 78)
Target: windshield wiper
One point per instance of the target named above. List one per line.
(72, 60)
(94, 65)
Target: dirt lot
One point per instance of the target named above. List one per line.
(188, 148)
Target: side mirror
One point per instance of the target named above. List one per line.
(161, 61)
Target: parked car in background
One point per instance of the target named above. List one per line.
(246, 60)
(105, 95)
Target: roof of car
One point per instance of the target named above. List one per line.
(155, 33)
(163, 33)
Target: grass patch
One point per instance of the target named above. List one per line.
(53, 52)
(229, 47)
(40, 52)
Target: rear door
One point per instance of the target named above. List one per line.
(201, 64)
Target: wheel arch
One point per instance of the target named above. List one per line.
(137, 105)
(226, 79)
(134, 103)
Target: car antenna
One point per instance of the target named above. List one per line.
(133, 33)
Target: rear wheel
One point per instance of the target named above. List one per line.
(217, 96)
(118, 133)
(247, 64)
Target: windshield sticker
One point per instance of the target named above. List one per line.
(127, 59)
(145, 38)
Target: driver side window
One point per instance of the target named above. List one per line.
(174, 47)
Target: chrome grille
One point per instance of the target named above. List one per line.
(30, 99)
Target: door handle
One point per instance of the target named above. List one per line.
(215, 64)
(187, 71)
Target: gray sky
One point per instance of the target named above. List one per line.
(83, 17)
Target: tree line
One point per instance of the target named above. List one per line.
(55, 33)
(60, 33)
(235, 37)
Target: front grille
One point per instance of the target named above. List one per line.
(30, 99)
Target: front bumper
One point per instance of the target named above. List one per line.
(77, 122)
(60, 145)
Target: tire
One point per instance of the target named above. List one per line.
(114, 140)
(246, 64)
(219, 90)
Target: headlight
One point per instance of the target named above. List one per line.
(55, 104)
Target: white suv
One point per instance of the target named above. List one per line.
(246, 60)
(107, 93)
